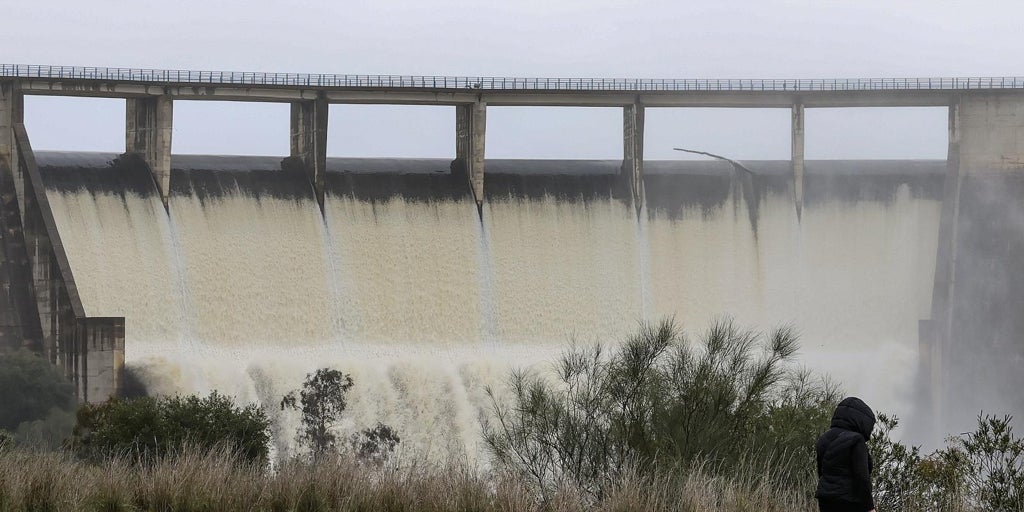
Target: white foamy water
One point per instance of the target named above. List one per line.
(424, 306)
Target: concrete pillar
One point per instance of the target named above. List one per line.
(148, 129)
(309, 142)
(470, 138)
(101, 365)
(12, 112)
(991, 132)
(934, 334)
(633, 152)
(797, 155)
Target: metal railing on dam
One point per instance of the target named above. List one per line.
(176, 76)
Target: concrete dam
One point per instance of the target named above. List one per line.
(427, 282)
(242, 286)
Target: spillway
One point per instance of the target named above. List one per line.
(241, 285)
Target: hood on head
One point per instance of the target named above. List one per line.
(854, 415)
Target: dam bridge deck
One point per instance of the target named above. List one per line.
(498, 91)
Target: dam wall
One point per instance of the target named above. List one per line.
(39, 285)
(429, 279)
(243, 286)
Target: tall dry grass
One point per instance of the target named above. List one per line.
(219, 481)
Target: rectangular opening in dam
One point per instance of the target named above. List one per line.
(740, 134)
(230, 128)
(554, 133)
(75, 124)
(391, 131)
(877, 133)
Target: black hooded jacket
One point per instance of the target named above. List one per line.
(844, 464)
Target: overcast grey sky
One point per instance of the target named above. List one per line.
(600, 38)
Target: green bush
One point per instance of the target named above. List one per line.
(149, 428)
(733, 401)
(37, 403)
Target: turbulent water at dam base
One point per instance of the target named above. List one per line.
(242, 285)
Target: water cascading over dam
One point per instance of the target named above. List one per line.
(242, 286)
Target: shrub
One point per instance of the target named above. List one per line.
(980, 470)
(995, 462)
(47, 433)
(898, 480)
(375, 444)
(150, 428)
(659, 401)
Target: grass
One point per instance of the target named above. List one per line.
(219, 481)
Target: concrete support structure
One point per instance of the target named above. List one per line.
(148, 129)
(90, 350)
(470, 138)
(985, 160)
(934, 333)
(633, 152)
(19, 318)
(991, 135)
(309, 141)
(797, 155)
(12, 112)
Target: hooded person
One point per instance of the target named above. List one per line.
(844, 463)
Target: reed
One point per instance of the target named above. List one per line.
(217, 480)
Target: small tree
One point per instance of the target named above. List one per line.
(321, 401)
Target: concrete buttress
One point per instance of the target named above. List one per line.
(991, 127)
(12, 112)
(797, 155)
(89, 350)
(633, 152)
(470, 137)
(309, 141)
(148, 128)
(934, 333)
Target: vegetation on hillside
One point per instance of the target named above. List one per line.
(723, 422)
